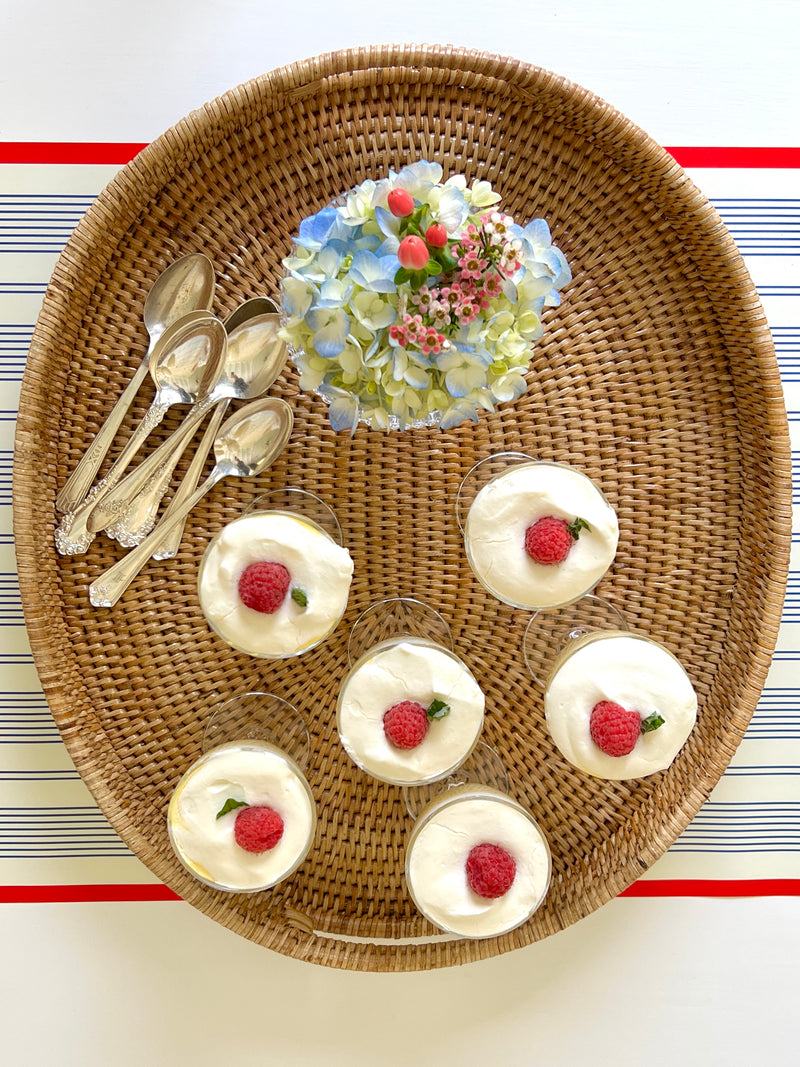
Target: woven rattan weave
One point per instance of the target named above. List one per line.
(656, 376)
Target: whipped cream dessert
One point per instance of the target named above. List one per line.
(509, 505)
(439, 850)
(634, 673)
(318, 572)
(246, 774)
(414, 671)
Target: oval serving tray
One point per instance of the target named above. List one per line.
(656, 376)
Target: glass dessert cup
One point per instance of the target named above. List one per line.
(482, 767)
(480, 475)
(617, 705)
(500, 502)
(401, 654)
(449, 828)
(299, 502)
(299, 533)
(551, 633)
(254, 750)
(393, 619)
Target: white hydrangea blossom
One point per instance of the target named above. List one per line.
(394, 349)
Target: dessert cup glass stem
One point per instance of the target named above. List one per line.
(481, 473)
(302, 503)
(549, 632)
(483, 767)
(396, 618)
(258, 716)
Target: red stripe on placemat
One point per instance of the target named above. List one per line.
(69, 894)
(696, 156)
(117, 153)
(703, 887)
(677, 887)
(113, 153)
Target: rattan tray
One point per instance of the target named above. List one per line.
(657, 377)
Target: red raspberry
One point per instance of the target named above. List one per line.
(405, 724)
(614, 729)
(258, 828)
(548, 540)
(263, 586)
(490, 870)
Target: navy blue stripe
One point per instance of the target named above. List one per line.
(760, 226)
(679, 846)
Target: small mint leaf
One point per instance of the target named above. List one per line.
(652, 722)
(230, 805)
(402, 275)
(299, 597)
(438, 710)
(576, 527)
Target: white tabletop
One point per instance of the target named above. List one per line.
(660, 981)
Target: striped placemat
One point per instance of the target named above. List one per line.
(55, 844)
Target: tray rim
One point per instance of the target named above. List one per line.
(161, 159)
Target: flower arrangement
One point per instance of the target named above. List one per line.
(415, 302)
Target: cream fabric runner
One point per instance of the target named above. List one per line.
(51, 831)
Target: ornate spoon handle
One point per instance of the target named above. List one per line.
(73, 535)
(169, 544)
(139, 516)
(79, 482)
(114, 503)
(109, 587)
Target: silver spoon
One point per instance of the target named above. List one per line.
(185, 361)
(254, 358)
(257, 305)
(250, 309)
(248, 442)
(253, 361)
(186, 285)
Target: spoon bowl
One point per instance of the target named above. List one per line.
(186, 285)
(252, 439)
(253, 359)
(256, 355)
(250, 309)
(187, 360)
